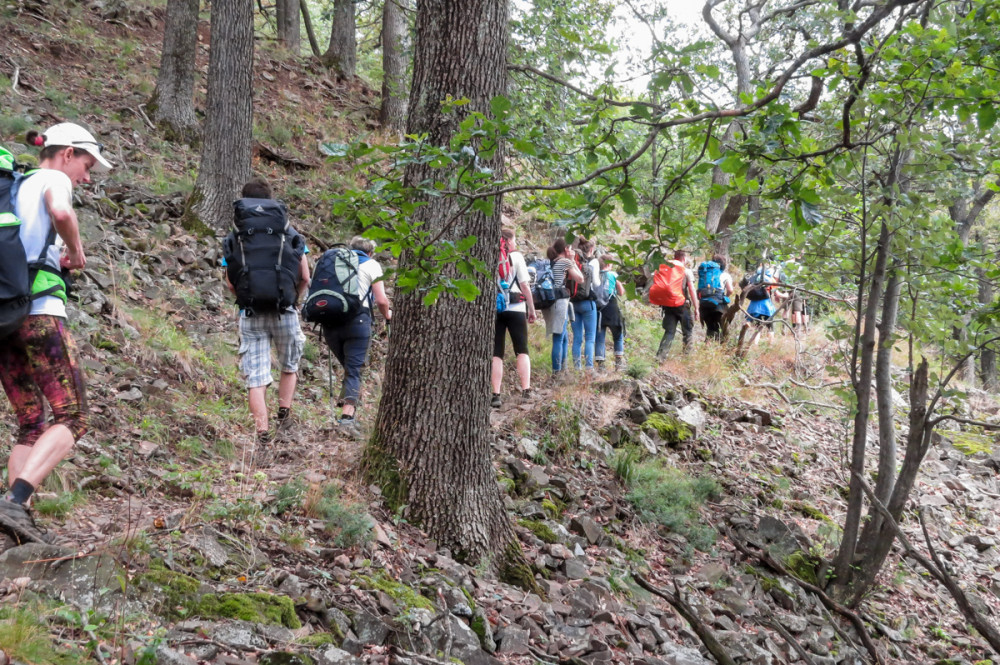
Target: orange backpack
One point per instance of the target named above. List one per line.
(668, 285)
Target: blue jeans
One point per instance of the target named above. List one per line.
(349, 344)
(617, 334)
(560, 348)
(584, 331)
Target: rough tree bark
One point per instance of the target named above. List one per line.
(289, 27)
(431, 446)
(172, 102)
(988, 355)
(342, 53)
(392, 114)
(226, 148)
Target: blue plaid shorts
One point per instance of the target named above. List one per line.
(258, 333)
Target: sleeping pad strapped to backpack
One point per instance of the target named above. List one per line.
(334, 293)
(263, 254)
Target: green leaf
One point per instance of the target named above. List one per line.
(500, 105)
(986, 117)
(629, 204)
(467, 289)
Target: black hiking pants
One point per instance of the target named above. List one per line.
(671, 317)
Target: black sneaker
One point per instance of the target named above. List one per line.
(15, 520)
(285, 421)
(526, 393)
(264, 436)
(496, 402)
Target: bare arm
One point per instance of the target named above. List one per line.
(382, 300)
(303, 277)
(619, 288)
(574, 274)
(65, 222)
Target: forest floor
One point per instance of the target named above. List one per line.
(180, 542)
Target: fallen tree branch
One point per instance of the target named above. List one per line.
(859, 625)
(775, 625)
(677, 602)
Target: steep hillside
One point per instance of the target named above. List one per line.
(657, 507)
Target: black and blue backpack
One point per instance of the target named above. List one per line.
(334, 297)
(17, 274)
(544, 293)
(263, 255)
(710, 289)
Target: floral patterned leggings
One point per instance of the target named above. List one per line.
(40, 360)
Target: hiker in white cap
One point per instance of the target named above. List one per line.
(39, 360)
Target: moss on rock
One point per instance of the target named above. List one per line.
(541, 530)
(970, 443)
(669, 428)
(802, 566)
(405, 597)
(255, 607)
(175, 593)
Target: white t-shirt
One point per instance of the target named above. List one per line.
(726, 278)
(368, 272)
(520, 270)
(595, 270)
(36, 223)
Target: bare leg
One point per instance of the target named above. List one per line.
(523, 371)
(35, 463)
(258, 407)
(286, 389)
(496, 374)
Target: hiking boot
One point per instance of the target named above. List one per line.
(526, 394)
(15, 520)
(620, 364)
(264, 436)
(599, 364)
(349, 426)
(496, 401)
(284, 421)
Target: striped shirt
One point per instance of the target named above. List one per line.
(559, 269)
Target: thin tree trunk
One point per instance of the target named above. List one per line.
(886, 414)
(431, 446)
(172, 102)
(341, 55)
(394, 41)
(878, 543)
(310, 33)
(289, 27)
(987, 355)
(226, 149)
(862, 389)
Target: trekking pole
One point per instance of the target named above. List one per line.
(329, 365)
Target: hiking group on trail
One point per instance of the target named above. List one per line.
(268, 272)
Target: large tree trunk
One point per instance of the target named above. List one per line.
(431, 446)
(394, 41)
(341, 55)
(988, 355)
(226, 148)
(173, 100)
(289, 30)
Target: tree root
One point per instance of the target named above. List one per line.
(677, 601)
(832, 605)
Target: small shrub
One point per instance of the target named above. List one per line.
(624, 464)
(670, 498)
(288, 497)
(24, 638)
(348, 523)
(59, 506)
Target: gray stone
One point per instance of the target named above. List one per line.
(370, 629)
(90, 582)
(537, 478)
(528, 447)
(593, 442)
(712, 572)
(794, 623)
(464, 642)
(588, 528)
(979, 542)
(238, 635)
(210, 548)
(284, 658)
(675, 654)
(732, 600)
(693, 417)
(647, 443)
(533, 511)
(512, 640)
(167, 656)
(638, 415)
(337, 619)
(331, 655)
(486, 640)
(575, 569)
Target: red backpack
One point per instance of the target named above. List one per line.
(668, 285)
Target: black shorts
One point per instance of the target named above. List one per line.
(760, 320)
(517, 324)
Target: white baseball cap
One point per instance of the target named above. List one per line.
(73, 135)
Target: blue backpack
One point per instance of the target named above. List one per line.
(544, 293)
(710, 283)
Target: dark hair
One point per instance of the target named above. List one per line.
(551, 254)
(507, 234)
(721, 260)
(49, 151)
(559, 246)
(605, 261)
(257, 189)
(586, 246)
(680, 255)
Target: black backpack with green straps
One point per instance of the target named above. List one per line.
(16, 273)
